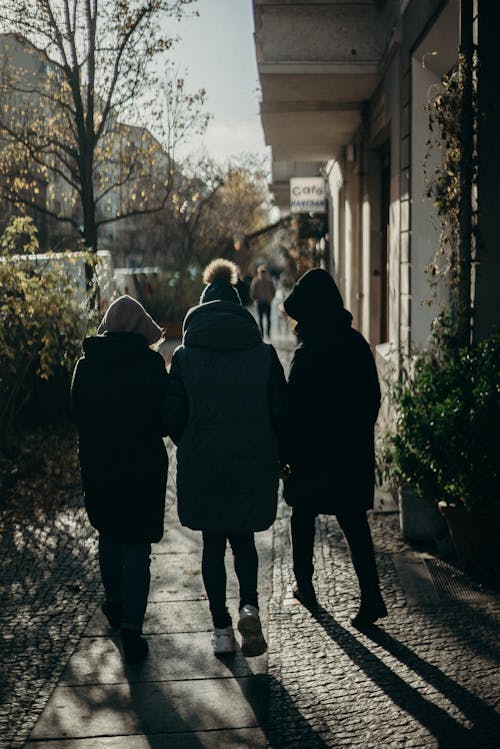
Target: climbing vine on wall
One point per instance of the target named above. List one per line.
(447, 182)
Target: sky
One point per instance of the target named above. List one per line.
(217, 50)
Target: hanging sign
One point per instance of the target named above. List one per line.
(307, 195)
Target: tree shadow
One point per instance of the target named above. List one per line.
(49, 573)
(448, 732)
(147, 700)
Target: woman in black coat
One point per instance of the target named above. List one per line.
(117, 394)
(226, 407)
(334, 397)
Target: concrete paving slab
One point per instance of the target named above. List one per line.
(187, 616)
(176, 577)
(246, 738)
(153, 708)
(189, 655)
(162, 617)
(176, 539)
(416, 580)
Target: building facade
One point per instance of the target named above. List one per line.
(345, 92)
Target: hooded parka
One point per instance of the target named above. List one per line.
(333, 402)
(226, 401)
(117, 394)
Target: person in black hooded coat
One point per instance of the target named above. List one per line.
(334, 398)
(118, 393)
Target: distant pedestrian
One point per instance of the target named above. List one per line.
(243, 289)
(334, 398)
(226, 405)
(118, 393)
(262, 291)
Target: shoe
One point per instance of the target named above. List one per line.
(250, 628)
(223, 640)
(306, 595)
(135, 647)
(370, 610)
(112, 612)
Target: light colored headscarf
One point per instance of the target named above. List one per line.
(127, 315)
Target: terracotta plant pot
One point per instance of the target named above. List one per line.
(475, 535)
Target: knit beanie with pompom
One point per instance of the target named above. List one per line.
(220, 276)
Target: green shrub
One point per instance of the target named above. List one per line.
(447, 439)
(41, 328)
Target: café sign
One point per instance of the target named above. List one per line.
(307, 195)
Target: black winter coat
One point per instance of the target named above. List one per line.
(333, 402)
(227, 407)
(334, 397)
(117, 394)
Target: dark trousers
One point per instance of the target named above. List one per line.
(213, 569)
(264, 311)
(356, 529)
(126, 577)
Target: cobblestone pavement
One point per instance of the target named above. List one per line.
(426, 677)
(48, 586)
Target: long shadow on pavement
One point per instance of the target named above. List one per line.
(278, 715)
(449, 733)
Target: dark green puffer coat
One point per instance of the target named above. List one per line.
(227, 404)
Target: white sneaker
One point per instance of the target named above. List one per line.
(252, 639)
(223, 640)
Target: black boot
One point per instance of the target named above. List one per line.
(372, 607)
(135, 647)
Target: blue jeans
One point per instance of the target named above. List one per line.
(126, 577)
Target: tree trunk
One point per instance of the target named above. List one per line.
(88, 203)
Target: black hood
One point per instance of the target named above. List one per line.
(316, 304)
(314, 294)
(221, 326)
(114, 349)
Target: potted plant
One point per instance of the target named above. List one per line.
(447, 440)
(403, 462)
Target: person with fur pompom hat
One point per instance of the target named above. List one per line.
(117, 396)
(226, 405)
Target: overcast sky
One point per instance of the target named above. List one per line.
(217, 49)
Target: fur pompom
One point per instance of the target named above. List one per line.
(220, 270)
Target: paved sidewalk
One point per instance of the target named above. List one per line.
(426, 678)
(182, 696)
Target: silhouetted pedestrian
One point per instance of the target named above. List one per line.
(226, 405)
(118, 393)
(262, 291)
(334, 398)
